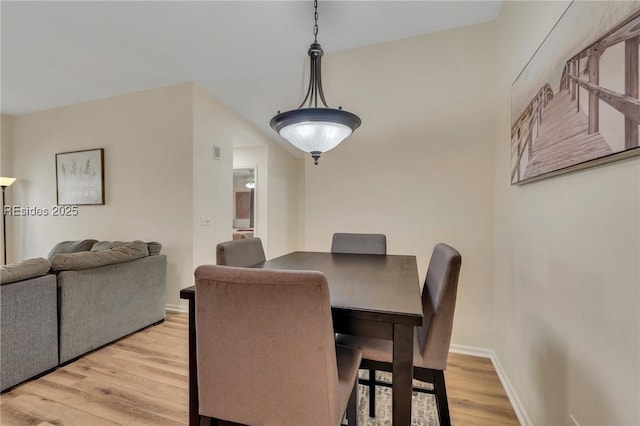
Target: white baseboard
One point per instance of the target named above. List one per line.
(472, 350)
(521, 413)
(177, 308)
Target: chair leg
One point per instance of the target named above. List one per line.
(207, 421)
(441, 397)
(352, 408)
(372, 393)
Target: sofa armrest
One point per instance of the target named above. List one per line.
(24, 270)
(29, 321)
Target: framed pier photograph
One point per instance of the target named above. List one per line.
(575, 104)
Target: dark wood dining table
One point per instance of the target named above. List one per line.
(371, 295)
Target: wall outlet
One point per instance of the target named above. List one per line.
(205, 220)
(573, 421)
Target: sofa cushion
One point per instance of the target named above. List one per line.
(154, 248)
(24, 270)
(71, 247)
(92, 259)
(107, 245)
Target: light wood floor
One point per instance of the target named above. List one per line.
(142, 380)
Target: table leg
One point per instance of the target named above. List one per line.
(402, 373)
(193, 367)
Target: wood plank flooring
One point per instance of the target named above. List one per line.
(141, 380)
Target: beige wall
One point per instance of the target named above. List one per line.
(5, 147)
(567, 256)
(147, 141)
(213, 123)
(160, 176)
(213, 181)
(286, 184)
(420, 168)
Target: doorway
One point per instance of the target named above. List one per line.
(244, 201)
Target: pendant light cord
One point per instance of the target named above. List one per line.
(315, 17)
(315, 80)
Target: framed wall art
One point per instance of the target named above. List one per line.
(243, 204)
(80, 177)
(575, 104)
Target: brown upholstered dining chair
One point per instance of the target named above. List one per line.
(431, 341)
(266, 351)
(359, 243)
(243, 253)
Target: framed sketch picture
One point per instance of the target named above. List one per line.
(80, 177)
(575, 104)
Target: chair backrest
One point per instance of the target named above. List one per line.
(438, 305)
(244, 252)
(359, 243)
(265, 347)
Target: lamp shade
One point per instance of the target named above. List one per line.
(6, 181)
(315, 130)
(312, 136)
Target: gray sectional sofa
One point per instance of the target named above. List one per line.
(96, 292)
(29, 324)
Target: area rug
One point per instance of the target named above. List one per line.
(423, 405)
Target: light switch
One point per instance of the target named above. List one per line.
(205, 220)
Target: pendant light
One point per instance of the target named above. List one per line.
(315, 129)
(251, 183)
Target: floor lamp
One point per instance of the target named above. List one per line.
(4, 183)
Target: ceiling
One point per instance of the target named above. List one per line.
(247, 54)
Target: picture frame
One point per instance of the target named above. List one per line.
(575, 104)
(80, 177)
(243, 205)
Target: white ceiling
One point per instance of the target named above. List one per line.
(247, 54)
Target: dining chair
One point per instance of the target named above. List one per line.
(266, 351)
(243, 253)
(343, 242)
(431, 340)
(359, 243)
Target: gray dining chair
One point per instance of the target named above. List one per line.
(266, 351)
(344, 242)
(431, 340)
(359, 243)
(242, 253)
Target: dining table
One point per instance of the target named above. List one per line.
(371, 295)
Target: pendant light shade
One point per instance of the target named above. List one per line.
(315, 129)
